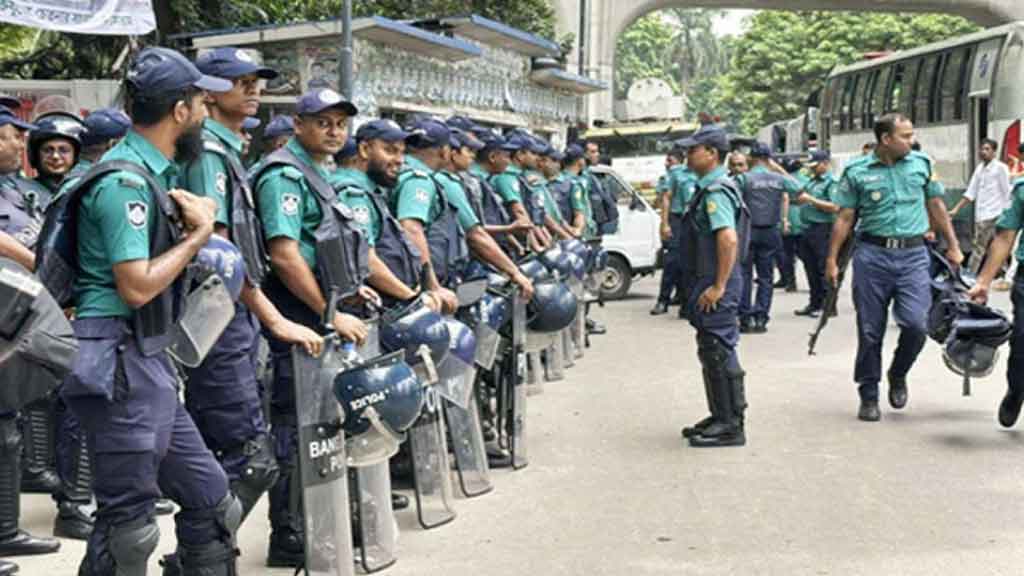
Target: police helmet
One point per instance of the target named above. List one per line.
(388, 384)
(494, 311)
(535, 270)
(219, 256)
(557, 260)
(55, 125)
(552, 308)
(410, 327)
(972, 347)
(577, 266)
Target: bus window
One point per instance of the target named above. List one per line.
(925, 85)
(857, 102)
(849, 86)
(903, 93)
(878, 104)
(951, 86)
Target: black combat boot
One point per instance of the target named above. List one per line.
(15, 542)
(8, 568)
(696, 429)
(729, 400)
(74, 503)
(38, 475)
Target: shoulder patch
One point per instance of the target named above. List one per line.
(222, 183)
(289, 204)
(136, 211)
(214, 146)
(420, 174)
(533, 179)
(710, 206)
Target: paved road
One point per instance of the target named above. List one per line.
(612, 490)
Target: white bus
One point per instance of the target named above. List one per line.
(956, 92)
(796, 136)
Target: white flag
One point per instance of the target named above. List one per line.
(114, 17)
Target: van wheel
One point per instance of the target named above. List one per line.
(618, 277)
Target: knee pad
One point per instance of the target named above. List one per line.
(228, 515)
(216, 558)
(258, 475)
(131, 544)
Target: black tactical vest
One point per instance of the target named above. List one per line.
(245, 230)
(532, 201)
(342, 254)
(702, 255)
(763, 195)
(561, 190)
(17, 215)
(447, 243)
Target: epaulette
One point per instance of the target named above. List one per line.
(292, 173)
(131, 181)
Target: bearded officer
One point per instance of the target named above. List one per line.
(18, 233)
(124, 387)
(222, 394)
(891, 196)
(715, 226)
(291, 214)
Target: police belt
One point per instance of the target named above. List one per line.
(766, 227)
(892, 243)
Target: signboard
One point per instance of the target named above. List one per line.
(113, 17)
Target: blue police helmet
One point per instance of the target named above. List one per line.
(557, 260)
(462, 342)
(223, 258)
(52, 126)
(388, 384)
(494, 311)
(535, 270)
(552, 308)
(574, 246)
(475, 270)
(407, 328)
(577, 266)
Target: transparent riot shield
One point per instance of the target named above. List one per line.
(377, 532)
(568, 348)
(455, 380)
(468, 447)
(488, 341)
(430, 467)
(512, 387)
(534, 378)
(208, 311)
(555, 360)
(322, 461)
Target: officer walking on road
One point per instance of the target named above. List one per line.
(222, 394)
(18, 233)
(716, 226)
(124, 387)
(767, 194)
(891, 197)
(293, 198)
(818, 215)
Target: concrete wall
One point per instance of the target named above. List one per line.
(609, 18)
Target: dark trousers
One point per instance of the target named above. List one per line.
(1015, 363)
(814, 252)
(882, 277)
(785, 259)
(69, 436)
(720, 322)
(671, 275)
(224, 397)
(142, 443)
(765, 243)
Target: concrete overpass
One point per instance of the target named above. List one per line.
(604, 20)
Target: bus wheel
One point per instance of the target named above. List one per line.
(618, 277)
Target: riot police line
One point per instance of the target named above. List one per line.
(409, 293)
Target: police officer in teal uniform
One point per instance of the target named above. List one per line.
(767, 193)
(574, 165)
(818, 215)
(1007, 229)
(290, 186)
(514, 188)
(891, 196)
(499, 221)
(124, 387)
(550, 164)
(792, 232)
(715, 232)
(716, 226)
(679, 186)
(567, 192)
(223, 394)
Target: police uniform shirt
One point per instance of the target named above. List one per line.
(682, 181)
(890, 200)
(1013, 217)
(457, 198)
(478, 171)
(209, 175)
(716, 210)
(797, 223)
(581, 201)
(115, 220)
(354, 188)
(415, 196)
(820, 188)
(287, 204)
(507, 185)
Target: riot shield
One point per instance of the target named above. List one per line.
(377, 532)
(568, 348)
(534, 374)
(208, 311)
(322, 461)
(430, 467)
(512, 387)
(468, 448)
(455, 380)
(555, 360)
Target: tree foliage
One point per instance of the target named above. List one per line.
(783, 57)
(62, 56)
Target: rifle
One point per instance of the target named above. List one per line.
(842, 262)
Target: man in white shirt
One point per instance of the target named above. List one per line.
(989, 190)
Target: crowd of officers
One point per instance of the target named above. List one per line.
(888, 199)
(124, 441)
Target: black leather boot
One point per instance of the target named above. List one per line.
(696, 429)
(15, 542)
(8, 568)
(37, 474)
(74, 503)
(728, 400)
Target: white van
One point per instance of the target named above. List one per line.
(633, 250)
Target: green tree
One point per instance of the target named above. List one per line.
(784, 57)
(59, 56)
(644, 50)
(698, 54)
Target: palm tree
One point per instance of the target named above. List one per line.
(696, 53)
